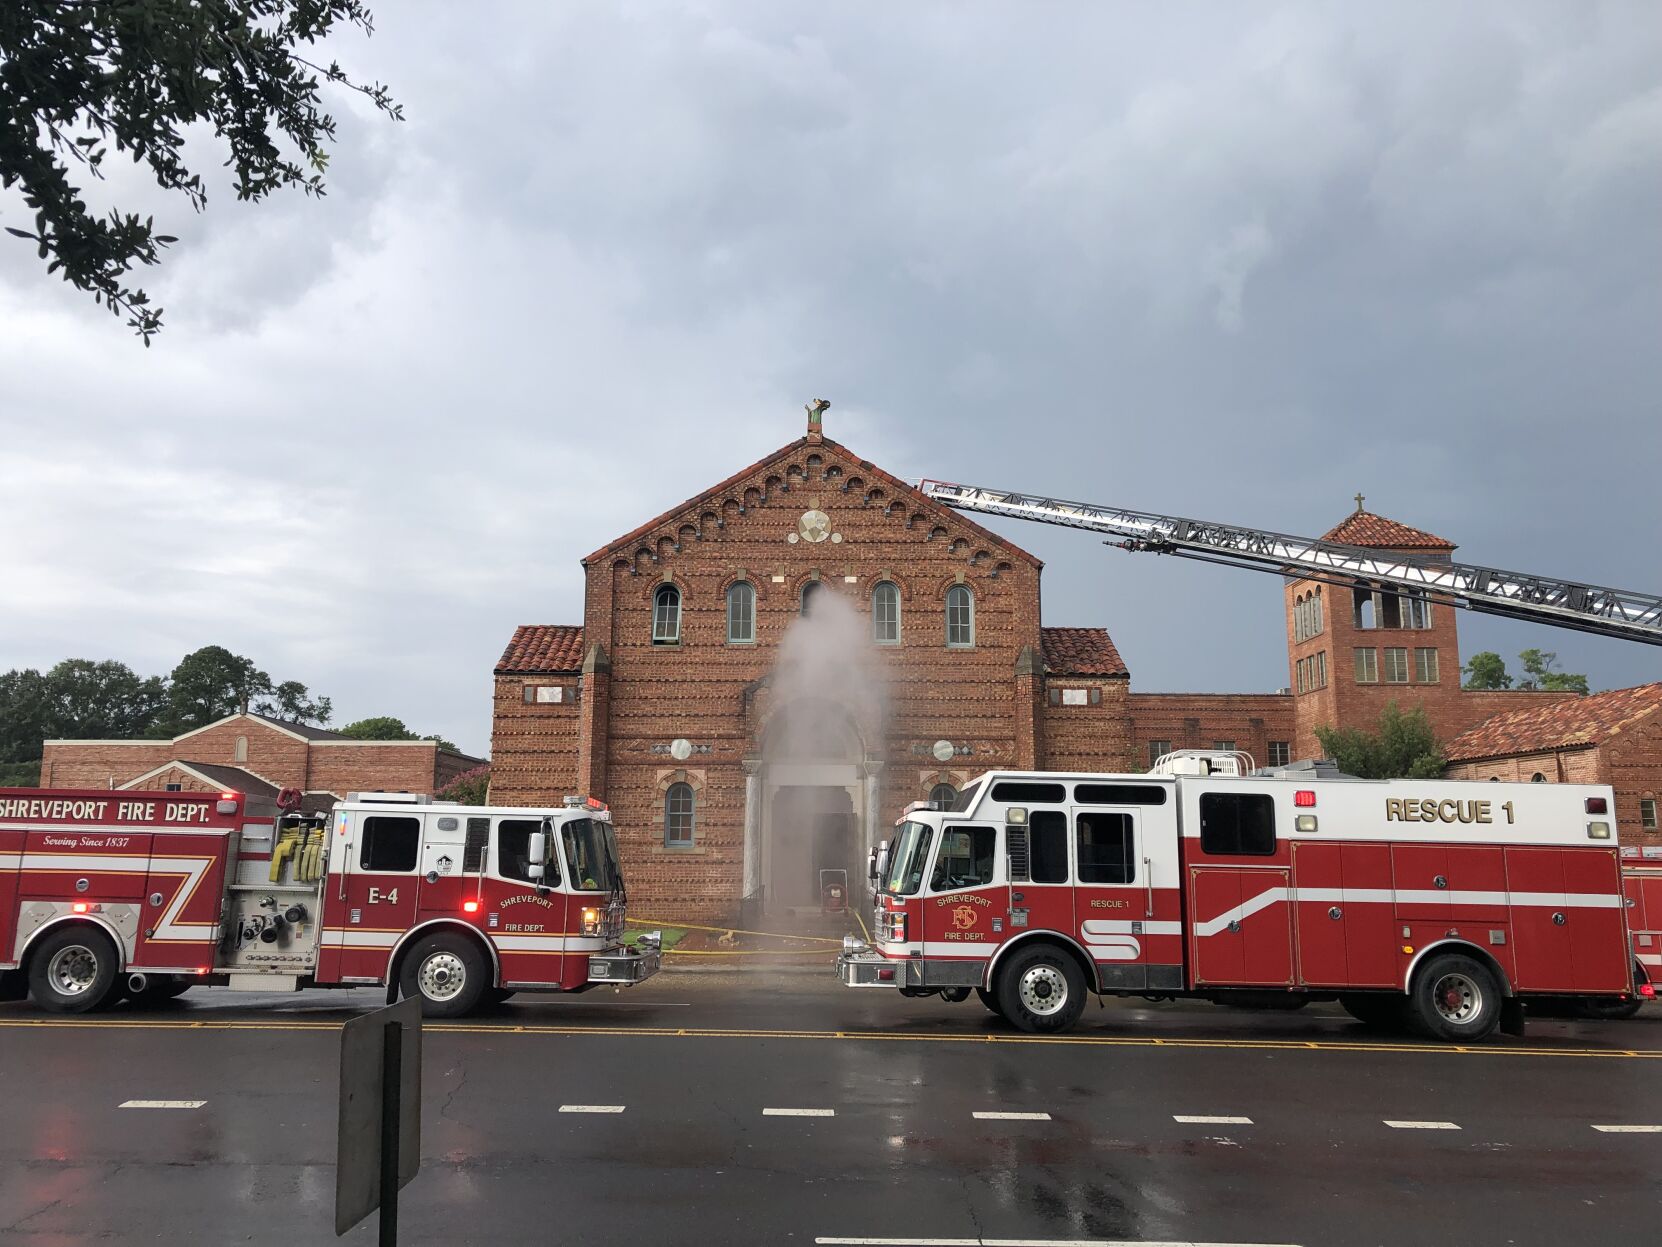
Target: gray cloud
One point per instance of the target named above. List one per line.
(1238, 268)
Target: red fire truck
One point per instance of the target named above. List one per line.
(1642, 882)
(1442, 904)
(150, 893)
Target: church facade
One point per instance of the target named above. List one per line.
(767, 674)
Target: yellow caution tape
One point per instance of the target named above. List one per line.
(692, 926)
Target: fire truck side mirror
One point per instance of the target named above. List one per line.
(536, 853)
(879, 861)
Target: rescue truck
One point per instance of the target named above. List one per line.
(1438, 903)
(1642, 882)
(151, 893)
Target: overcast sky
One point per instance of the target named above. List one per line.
(1235, 261)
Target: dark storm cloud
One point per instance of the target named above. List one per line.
(1238, 267)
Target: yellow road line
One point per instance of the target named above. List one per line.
(697, 1032)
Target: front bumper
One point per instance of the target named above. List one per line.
(624, 965)
(869, 969)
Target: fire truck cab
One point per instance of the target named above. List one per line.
(1439, 903)
(150, 893)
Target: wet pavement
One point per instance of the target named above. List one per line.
(773, 1107)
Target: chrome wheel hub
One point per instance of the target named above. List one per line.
(1457, 998)
(72, 970)
(1043, 990)
(442, 976)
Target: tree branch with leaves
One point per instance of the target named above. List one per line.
(82, 78)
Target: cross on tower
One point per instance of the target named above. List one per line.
(1359, 501)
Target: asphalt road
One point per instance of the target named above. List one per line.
(782, 1109)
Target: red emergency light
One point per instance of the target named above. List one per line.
(1304, 798)
(1597, 805)
(470, 907)
(79, 907)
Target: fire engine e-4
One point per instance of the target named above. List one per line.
(150, 893)
(1437, 903)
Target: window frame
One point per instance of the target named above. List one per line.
(1155, 753)
(887, 589)
(1128, 858)
(1048, 821)
(937, 885)
(1426, 665)
(367, 842)
(659, 596)
(966, 595)
(1407, 670)
(736, 590)
(1209, 801)
(935, 788)
(1648, 824)
(1286, 749)
(1367, 672)
(551, 869)
(690, 813)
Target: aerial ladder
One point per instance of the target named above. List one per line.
(1517, 595)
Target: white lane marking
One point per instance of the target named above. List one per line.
(1213, 1121)
(591, 1108)
(1025, 1242)
(1629, 1129)
(1012, 1116)
(163, 1103)
(799, 1112)
(1422, 1125)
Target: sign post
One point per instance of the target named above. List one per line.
(378, 1148)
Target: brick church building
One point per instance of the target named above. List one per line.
(749, 732)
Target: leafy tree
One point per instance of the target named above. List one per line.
(102, 700)
(1487, 670)
(469, 788)
(386, 727)
(211, 683)
(78, 76)
(1539, 674)
(20, 774)
(292, 702)
(1403, 746)
(25, 715)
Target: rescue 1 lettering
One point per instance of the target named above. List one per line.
(1447, 810)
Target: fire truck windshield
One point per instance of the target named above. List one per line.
(909, 860)
(589, 856)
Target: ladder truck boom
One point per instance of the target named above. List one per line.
(1539, 599)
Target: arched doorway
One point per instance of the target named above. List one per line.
(809, 795)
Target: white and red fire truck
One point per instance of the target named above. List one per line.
(150, 893)
(1642, 882)
(1440, 903)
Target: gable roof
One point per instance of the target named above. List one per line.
(1574, 723)
(222, 777)
(1364, 528)
(912, 494)
(543, 649)
(299, 729)
(1081, 651)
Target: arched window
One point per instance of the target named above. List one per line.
(1537, 778)
(666, 616)
(810, 591)
(885, 613)
(741, 612)
(941, 796)
(1316, 612)
(960, 617)
(242, 749)
(678, 815)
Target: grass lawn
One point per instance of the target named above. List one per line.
(672, 935)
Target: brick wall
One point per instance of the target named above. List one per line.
(1196, 720)
(1088, 737)
(533, 747)
(373, 766)
(1631, 763)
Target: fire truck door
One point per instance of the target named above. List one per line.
(1114, 904)
(184, 890)
(1240, 912)
(1598, 936)
(966, 893)
(11, 856)
(1345, 932)
(1541, 920)
(382, 894)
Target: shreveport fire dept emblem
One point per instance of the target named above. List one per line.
(963, 917)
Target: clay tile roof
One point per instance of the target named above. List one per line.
(1081, 651)
(542, 649)
(1364, 528)
(1556, 725)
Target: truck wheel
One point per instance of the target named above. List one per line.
(987, 998)
(1455, 998)
(447, 972)
(1378, 1009)
(1041, 990)
(73, 971)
